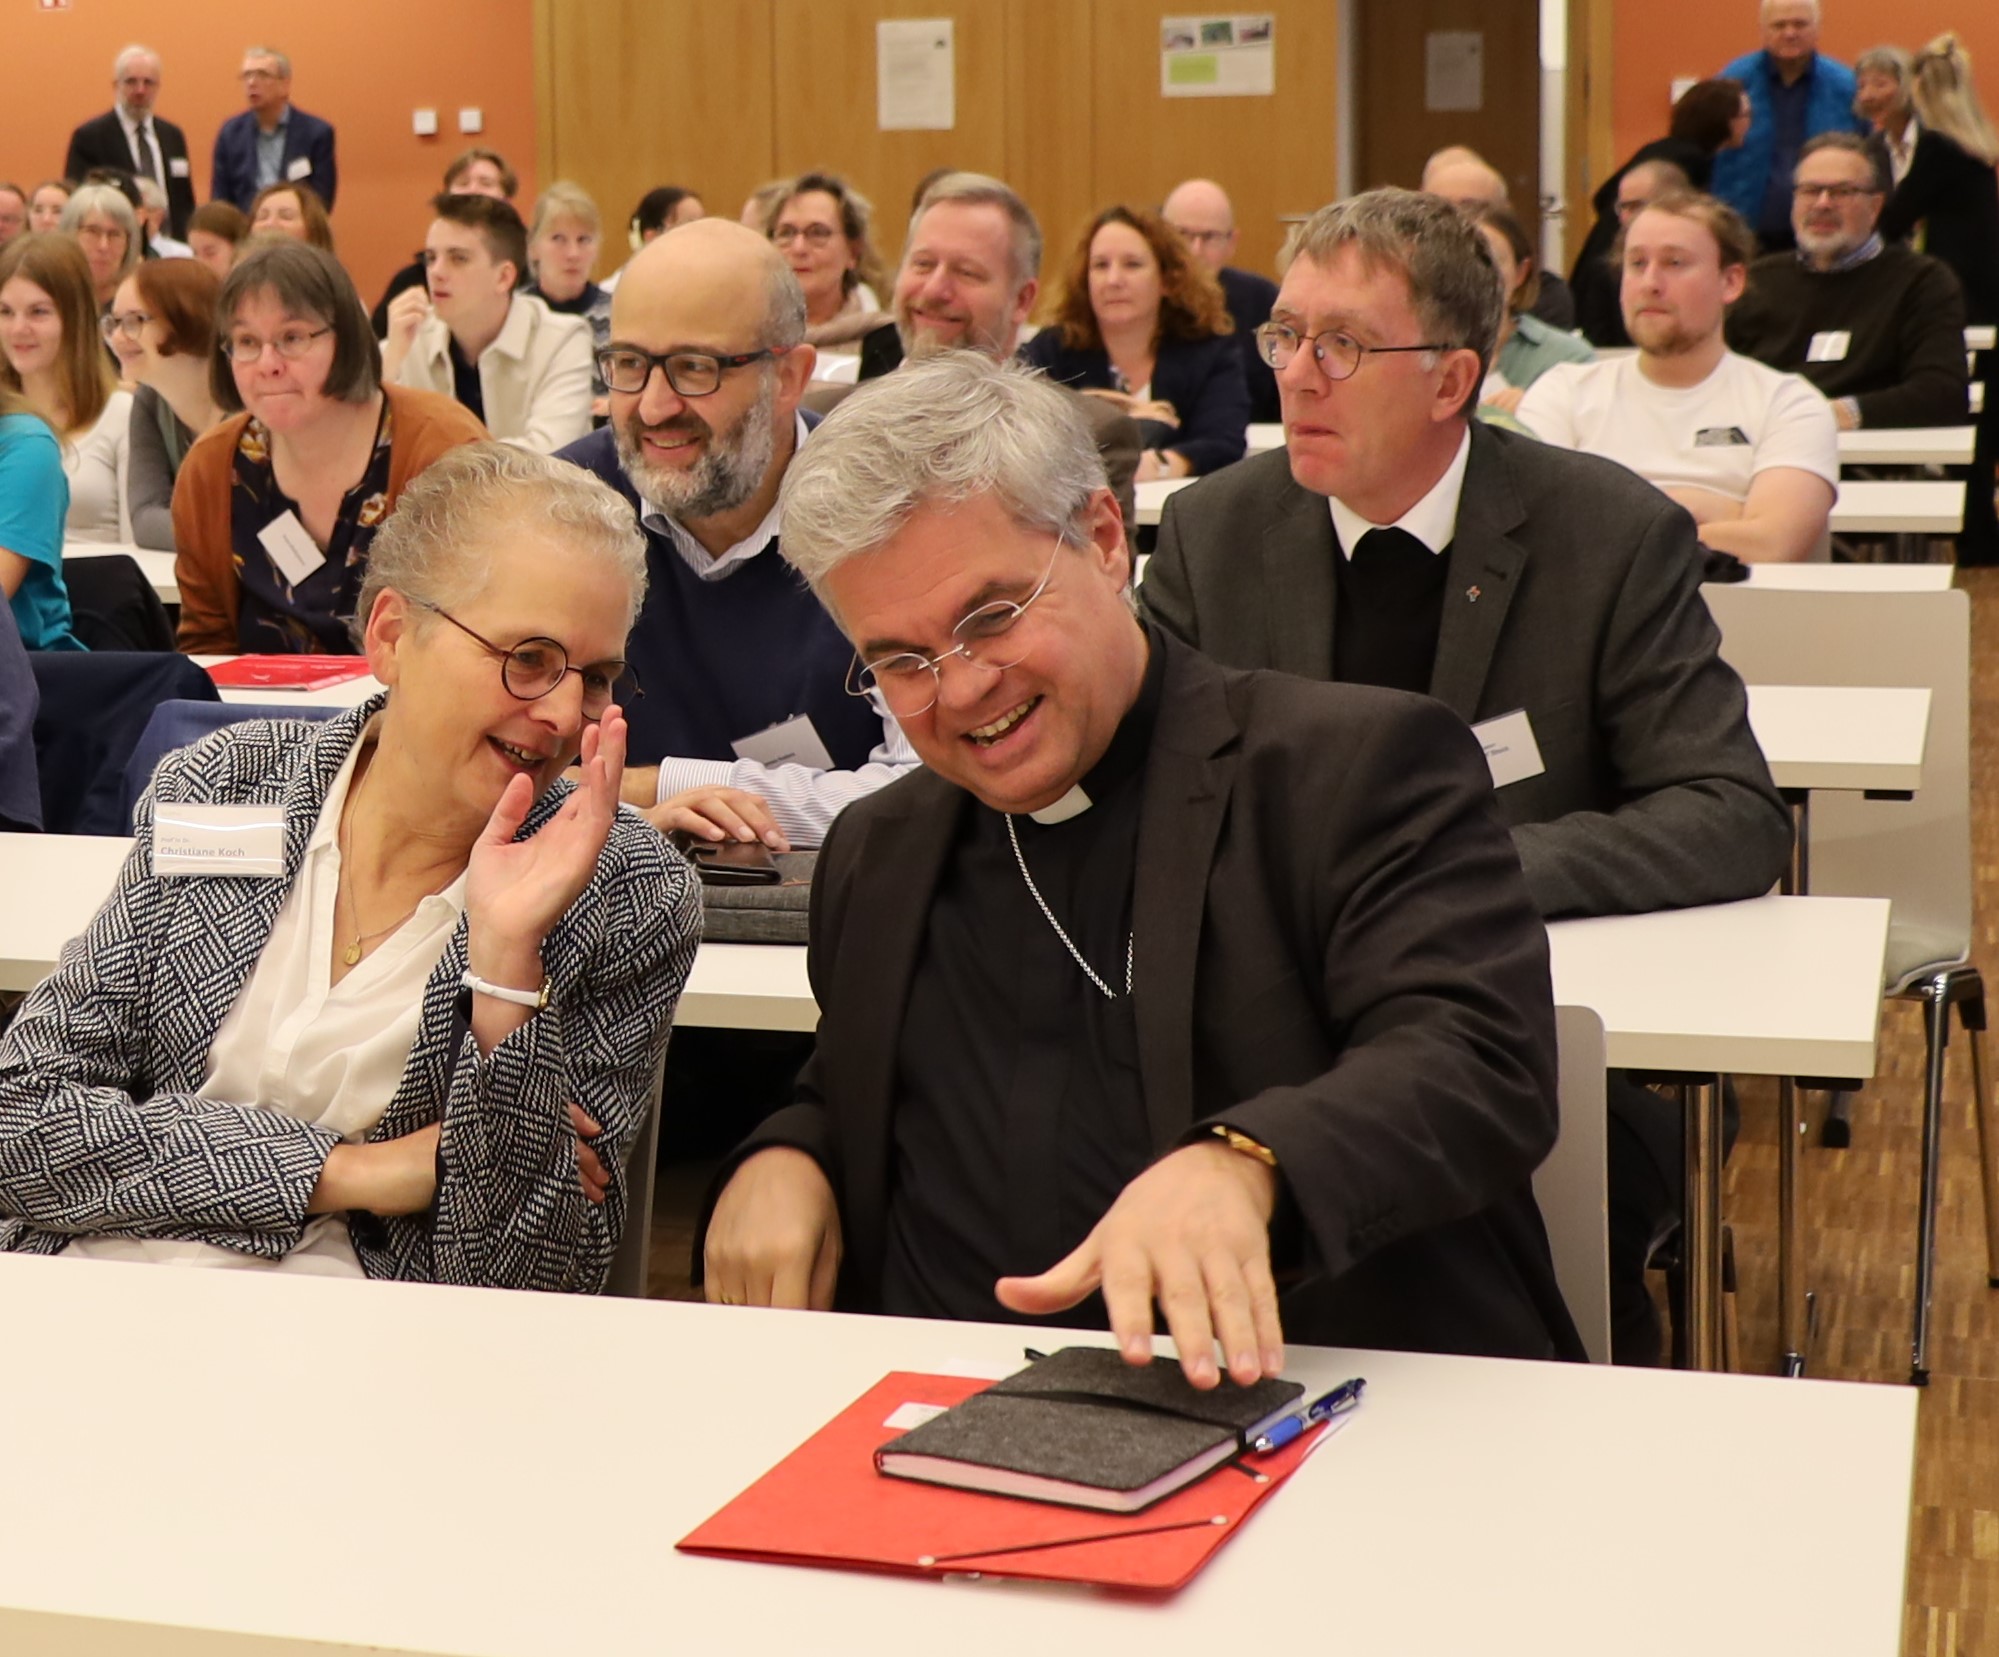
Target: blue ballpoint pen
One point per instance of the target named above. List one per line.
(1337, 1402)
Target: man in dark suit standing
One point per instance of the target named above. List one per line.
(1327, 1074)
(1550, 599)
(1201, 211)
(133, 139)
(271, 142)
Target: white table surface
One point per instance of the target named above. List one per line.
(1841, 736)
(158, 567)
(1917, 507)
(1908, 446)
(1772, 986)
(1853, 578)
(1151, 497)
(493, 1474)
(1979, 337)
(349, 693)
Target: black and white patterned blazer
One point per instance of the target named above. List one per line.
(102, 1132)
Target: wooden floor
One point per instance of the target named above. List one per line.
(1860, 1220)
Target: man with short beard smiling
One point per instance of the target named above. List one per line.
(746, 730)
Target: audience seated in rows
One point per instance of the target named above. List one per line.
(162, 330)
(152, 212)
(1468, 181)
(1527, 347)
(276, 508)
(271, 141)
(967, 282)
(1201, 212)
(1795, 94)
(107, 230)
(132, 136)
(52, 351)
(215, 234)
(306, 1097)
(1751, 453)
(294, 211)
(519, 367)
(13, 212)
(34, 498)
(1142, 324)
(1401, 543)
(658, 211)
(822, 226)
(476, 172)
(563, 241)
(46, 202)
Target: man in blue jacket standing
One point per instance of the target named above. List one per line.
(1795, 93)
(271, 142)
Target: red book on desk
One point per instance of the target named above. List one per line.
(287, 672)
(825, 1504)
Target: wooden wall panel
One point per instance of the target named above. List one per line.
(1050, 126)
(824, 90)
(1273, 155)
(638, 93)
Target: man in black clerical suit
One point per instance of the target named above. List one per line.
(1550, 599)
(1180, 984)
(133, 139)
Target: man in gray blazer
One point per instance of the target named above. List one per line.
(1550, 599)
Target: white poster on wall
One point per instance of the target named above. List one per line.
(1218, 57)
(916, 73)
(1453, 71)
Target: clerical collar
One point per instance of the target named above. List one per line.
(1433, 520)
(1125, 757)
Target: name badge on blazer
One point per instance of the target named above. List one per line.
(794, 741)
(177, 166)
(299, 167)
(1511, 753)
(237, 840)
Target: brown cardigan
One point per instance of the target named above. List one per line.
(426, 426)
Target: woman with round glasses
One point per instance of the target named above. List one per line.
(106, 228)
(161, 328)
(419, 1040)
(276, 507)
(52, 352)
(820, 225)
(1142, 323)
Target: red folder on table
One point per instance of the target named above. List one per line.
(287, 672)
(825, 1504)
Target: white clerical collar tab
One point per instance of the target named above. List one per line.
(1072, 804)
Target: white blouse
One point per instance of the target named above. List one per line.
(331, 1054)
(97, 462)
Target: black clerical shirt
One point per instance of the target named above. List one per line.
(1019, 1113)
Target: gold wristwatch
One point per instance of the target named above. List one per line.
(1237, 1141)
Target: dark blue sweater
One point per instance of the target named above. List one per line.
(722, 660)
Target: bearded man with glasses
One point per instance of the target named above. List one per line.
(1158, 983)
(1550, 599)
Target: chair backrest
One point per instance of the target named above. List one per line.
(1917, 853)
(113, 606)
(181, 724)
(632, 1264)
(1572, 1186)
(94, 706)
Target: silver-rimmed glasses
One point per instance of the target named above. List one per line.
(909, 681)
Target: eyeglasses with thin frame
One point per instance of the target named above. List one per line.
(292, 344)
(129, 323)
(1838, 194)
(533, 668)
(910, 682)
(1336, 351)
(628, 371)
(819, 235)
(1201, 238)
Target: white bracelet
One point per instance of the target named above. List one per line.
(536, 999)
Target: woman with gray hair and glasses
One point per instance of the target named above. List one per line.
(101, 219)
(385, 996)
(274, 509)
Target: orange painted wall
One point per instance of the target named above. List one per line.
(1655, 44)
(364, 65)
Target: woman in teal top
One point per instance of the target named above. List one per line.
(34, 501)
(1527, 346)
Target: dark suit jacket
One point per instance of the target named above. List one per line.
(1573, 593)
(1250, 298)
(101, 143)
(1336, 955)
(1955, 196)
(307, 138)
(1201, 378)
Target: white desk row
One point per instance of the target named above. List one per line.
(1911, 446)
(1553, 1501)
(1918, 507)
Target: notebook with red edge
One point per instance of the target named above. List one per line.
(825, 1504)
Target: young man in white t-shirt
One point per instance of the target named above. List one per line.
(1753, 454)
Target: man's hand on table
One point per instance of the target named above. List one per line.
(774, 1237)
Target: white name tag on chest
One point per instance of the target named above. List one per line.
(795, 742)
(219, 840)
(299, 167)
(1829, 347)
(294, 552)
(1511, 753)
(177, 166)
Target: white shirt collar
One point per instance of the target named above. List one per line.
(695, 556)
(1433, 520)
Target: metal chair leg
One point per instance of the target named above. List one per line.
(1937, 995)
(1971, 1011)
